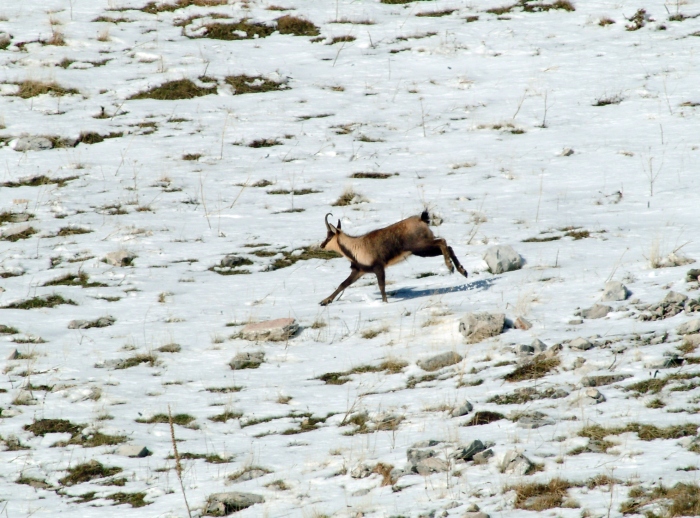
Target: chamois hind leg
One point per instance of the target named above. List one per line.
(354, 275)
(459, 267)
(379, 272)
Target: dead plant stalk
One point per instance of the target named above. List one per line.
(178, 466)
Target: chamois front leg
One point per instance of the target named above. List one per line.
(354, 275)
(379, 272)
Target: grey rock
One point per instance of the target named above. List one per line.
(516, 463)
(692, 275)
(575, 321)
(428, 443)
(233, 261)
(462, 409)
(692, 339)
(580, 344)
(522, 324)
(472, 508)
(431, 465)
(483, 456)
(87, 324)
(361, 471)
(476, 514)
(251, 474)
(23, 144)
(539, 345)
(120, 258)
(467, 453)
(614, 291)
(534, 422)
(591, 396)
(397, 473)
(452, 505)
(525, 350)
(133, 450)
(673, 297)
(361, 492)
(502, 258)
(414, 455)
(249, 360)
(605, 379)
(14, 354)
(276, 330)
(596, 311)
(579, 362)
(553, 351)
(478, 326)
(439, 361)
(223, 504)
(691, 327)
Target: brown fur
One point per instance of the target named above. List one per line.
(384, 247)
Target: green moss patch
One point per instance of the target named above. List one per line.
(48, 301)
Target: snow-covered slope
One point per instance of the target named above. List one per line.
(541, 126)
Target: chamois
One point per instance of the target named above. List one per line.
(377, 250)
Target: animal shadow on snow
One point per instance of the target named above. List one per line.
(412, 293)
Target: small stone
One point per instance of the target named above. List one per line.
(361, 492)
(525, 350)
(439, 361)
(397, 473)
(223, 504)
(522, 324)
(502, 258)
(462, 409)
(516, 463)
(472, 508)
(483, 456)
(361, 471)
(478, 326)
(691, 327)
(133, 450)
(675, 298)
(596, 311)
(578, 362)
(15, 230)
(431, 465)
(539, 345)
(575, 321)
(614, 291)
(414, 455)
(428, 443)
(233, 261)
(478, 514)
(250, 360)
(692, 275)
(467, 453)
(251, 474)
(276, 330)
(14, 354)
(23, 144)
(553, 351)
(533, 422)
(590, 396)
(580, 344)
(120, 258)
(692, 340)
(567, 151)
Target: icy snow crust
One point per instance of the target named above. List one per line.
(420, 96)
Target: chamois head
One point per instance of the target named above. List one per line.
(332, 232)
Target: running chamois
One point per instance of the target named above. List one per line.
(381, 248)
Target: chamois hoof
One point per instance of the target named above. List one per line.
(325, 302)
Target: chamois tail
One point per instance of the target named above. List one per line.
(425, 217)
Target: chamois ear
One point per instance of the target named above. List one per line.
(338, 224)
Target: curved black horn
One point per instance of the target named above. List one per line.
(327, 225)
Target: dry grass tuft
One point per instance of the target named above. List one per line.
(156, 7)
(31, 88)
(348, 197)
(535, 496)
(539, 367)
(683, 499)
(86, 472)
(484, 417)
(244, 84)
(289, 24)
(174, 90)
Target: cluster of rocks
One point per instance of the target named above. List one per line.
(87, 324)
(672, 304)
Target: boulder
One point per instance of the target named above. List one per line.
(439, 361)
(462, 409)
(249, 360)
(431, 465)
(516, 463)
(223, 504)
(276, 330)
(23, 144)
(689, 328)
(234, 261)
(120, 258)
(614, 291)
(478, 326)
(361, 471)
(468, 452)
(580, 344)
(414, 455)
(692, 275)
(502, 258)
(605, 379)
(133, 450)
(596, 311)
(522, 324)
(539, 345)
(87, 324)
(591, 396)
(483, 456)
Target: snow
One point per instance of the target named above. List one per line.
(474, 119)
